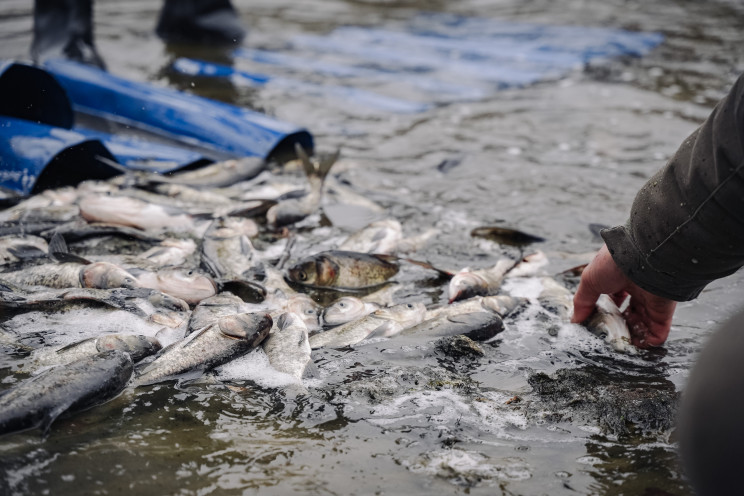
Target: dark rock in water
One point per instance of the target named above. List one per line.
(459, 347)
(621, 404)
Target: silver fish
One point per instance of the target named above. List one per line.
(170, 251)
(607, 323)
(137, 346)
(381, 236)
(133, 212)
(211, 309)
(227, 251)
(384, 322)
(556, 298)
(478, 326)
(499, 304)
(346, 309)
(230, 337)
(65, 389)
(468, 283)
(189, 285)
(288, 347)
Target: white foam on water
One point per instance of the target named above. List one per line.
(465, 467)
(255, 367)
(76, 324)
(523, 287)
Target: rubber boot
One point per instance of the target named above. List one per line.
(214, 22)
(64, 29)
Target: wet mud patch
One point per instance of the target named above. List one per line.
(620, 404)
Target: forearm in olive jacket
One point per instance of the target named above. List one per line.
(686, 226)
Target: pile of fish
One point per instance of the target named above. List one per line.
(175, 275)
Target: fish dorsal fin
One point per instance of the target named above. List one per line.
(70, 258)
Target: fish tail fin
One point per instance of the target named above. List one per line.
(316, 170)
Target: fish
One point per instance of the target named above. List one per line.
(137, 346)
(346, 309)
(293, 210)
(65, 389)
(288, 347)
(210, 310)
(529, 266)
(102, 275)
(191, 286)
(502, 305)
(133, 212)
(556, 298)
(468, 283)
(384, 322)
(608, 324)
(229, 337)
(339, 269)
(80, 229)
(216, 175)
(505, 236)
(306, 308)
(478, 326)
(169, 252)
(381, 236)
(19, 248)
(227, 251)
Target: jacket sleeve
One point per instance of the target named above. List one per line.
(686, 226)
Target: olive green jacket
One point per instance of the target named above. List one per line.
(686, 226)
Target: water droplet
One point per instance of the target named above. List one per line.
(694, 260)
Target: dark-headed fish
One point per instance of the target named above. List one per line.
(343, 270)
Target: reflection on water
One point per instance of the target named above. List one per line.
(549, 159)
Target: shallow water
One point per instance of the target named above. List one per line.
(549, 159)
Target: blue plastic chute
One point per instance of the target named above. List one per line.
(190, 119)
(35, 156)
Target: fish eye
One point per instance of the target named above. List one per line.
(310, 311)
(190, 273)
(342, 304)
(409, 305)
(302, 276)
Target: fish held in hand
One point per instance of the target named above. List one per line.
(608, 324)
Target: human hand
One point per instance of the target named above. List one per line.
(649, 317)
